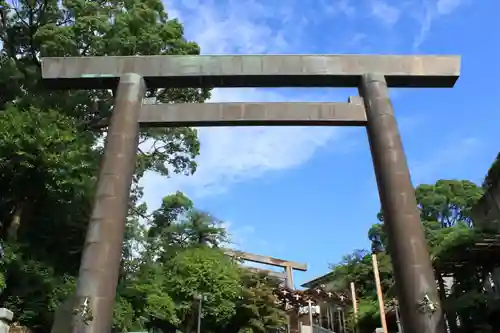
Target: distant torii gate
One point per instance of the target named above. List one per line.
(287, 276)
(288, 266)
(371, 74)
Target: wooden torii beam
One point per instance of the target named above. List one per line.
(288, 265)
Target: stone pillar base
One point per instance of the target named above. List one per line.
(5, 318)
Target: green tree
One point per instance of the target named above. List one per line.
(445, 213)
(144, 300)
(47, 170)
(178, 258)
(30, 29)
(357, 267)
(256, 308)
(444, 204)
(172, 209)
(177, 224)
(203, 229)
(161, 295)
(448, 201)
(51, 147)
(208, 272)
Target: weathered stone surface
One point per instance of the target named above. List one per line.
(265, 260)
(251, 70)
(252, 114)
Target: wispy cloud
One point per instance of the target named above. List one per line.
(428, 12)
(221, 27)
(232, 155)
(238, 235)
(423, 13)
(388, 14)
(343, 7)
(445, 7)
(244, 237)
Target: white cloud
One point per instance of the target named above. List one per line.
(424, 12)
(445, 7)
(428, 12)
(234, 27)
(384, 12)
(232, 154)
(344, 7)
(238, 235)
(246, 238)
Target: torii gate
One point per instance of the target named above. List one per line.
(371, 74)
(287, 276)
(287, 265)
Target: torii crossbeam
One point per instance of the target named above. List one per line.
(288, 265)
(371, 74)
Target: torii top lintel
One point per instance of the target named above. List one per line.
(251, 70)
(257, 258)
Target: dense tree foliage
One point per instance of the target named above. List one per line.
(50, 147)
(446, 217)
(256, 309)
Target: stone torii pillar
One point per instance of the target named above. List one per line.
(96, 288)
(371, 74)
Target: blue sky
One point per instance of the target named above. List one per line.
(309, 194)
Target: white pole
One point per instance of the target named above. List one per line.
(310, 314)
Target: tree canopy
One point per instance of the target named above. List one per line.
(50, 149)
(445, 210)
